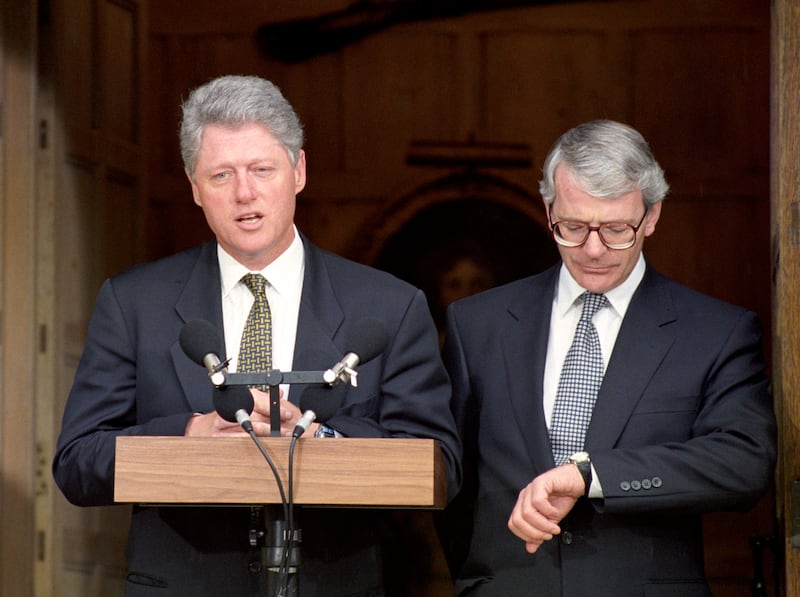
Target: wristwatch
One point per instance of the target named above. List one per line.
(584, 464)
(324, 431)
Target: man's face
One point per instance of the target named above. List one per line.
(593, 265)
(246, 185)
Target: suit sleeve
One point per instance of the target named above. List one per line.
(720, 400)
(102, 405)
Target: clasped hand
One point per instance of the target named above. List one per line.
(544, 503)
(212, 425)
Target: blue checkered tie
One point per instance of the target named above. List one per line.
(580, 381)
(255, 351)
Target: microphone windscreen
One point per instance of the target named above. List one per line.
(324, 400)
(230, 399)
(198, 338)
(369, 339)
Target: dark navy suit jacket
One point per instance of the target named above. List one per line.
(134, 379)
(683, 425)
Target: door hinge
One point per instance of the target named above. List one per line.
(794, 491)
(43, 132)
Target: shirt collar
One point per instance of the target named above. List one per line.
(282, 273)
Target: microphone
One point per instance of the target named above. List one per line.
(234, 404)
(200, 341)
(368, 340)
(318, 403)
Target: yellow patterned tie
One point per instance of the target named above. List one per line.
(255, 352)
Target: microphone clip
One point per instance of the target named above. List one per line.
(217, 373)
(341, 373)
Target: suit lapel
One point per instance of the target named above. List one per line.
(200, 299)
(524, 354)
(644, 339)
(321, 317)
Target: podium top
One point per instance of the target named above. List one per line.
(358, 472)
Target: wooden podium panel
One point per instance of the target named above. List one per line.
(386, 472)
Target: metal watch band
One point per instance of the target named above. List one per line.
(324, 431)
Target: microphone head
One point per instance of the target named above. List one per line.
(324, 400)
(198, 338)
(368, 339)
(228, 400)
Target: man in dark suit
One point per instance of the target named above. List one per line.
(242, 147)
(682, 423)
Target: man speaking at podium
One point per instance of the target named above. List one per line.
(280, 303)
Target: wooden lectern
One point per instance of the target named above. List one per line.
(386, 472)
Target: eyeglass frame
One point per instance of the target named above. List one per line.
(589, 229)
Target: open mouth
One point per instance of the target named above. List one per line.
(249, 219)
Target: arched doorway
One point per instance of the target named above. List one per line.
(461, 234)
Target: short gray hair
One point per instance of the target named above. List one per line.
(234, 101)
(607, 159)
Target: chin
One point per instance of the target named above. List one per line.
(597, 285)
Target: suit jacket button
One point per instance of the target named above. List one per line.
(657, 482)
(566, 538)
(636, 485)
(254, 567)
(646, 484)
(625, 486)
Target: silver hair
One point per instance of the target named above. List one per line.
(233, 101)
(607, 159)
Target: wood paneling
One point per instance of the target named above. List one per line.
(786, 273)
(18, 333)
(96, 140)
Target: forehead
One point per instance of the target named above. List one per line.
(216, 133)
(249, 143)
(573, 202)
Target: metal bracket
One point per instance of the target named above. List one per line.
(794, 492)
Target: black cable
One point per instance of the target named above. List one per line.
(288, 546)
(275, 473)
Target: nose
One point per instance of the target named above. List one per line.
(245, 190)
(593, 245)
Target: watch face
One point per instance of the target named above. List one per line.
(579, 457)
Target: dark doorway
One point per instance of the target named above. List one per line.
(455, 248)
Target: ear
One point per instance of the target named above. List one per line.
(300, 172)
(195, 190)
(547, 213)
(652, 218)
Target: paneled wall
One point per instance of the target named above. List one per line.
(487, 94)
(92, 160)
(693, 77)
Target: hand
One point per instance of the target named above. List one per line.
(212, 425)
(260, 416)
(543, 503)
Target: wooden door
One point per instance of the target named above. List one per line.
(17, 289)
(92, 191)
(785, 209)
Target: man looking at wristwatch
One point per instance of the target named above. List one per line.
(602, 407)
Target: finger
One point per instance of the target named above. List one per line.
(527, 521)
(260, 402)
(533, 546)
(531, 526)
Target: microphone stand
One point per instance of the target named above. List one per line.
(274, 379)
(280, 548)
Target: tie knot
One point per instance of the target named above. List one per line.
(256, 283)
(592, 303)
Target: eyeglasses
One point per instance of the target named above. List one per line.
(614, 235)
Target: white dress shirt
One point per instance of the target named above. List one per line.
(284, 289)
(563, 321)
